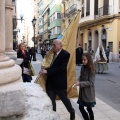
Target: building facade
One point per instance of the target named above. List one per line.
(99, 24)
(69, 10)
(46, 24)
(42, 4)
(55, 19)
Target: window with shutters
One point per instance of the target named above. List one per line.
(87, 7)
(82, 14)
(106, 7)
(96, 7)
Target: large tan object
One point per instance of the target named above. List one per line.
(9, 31)
(69, 44)
(11, 87)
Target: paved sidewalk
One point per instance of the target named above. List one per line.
(102, 110)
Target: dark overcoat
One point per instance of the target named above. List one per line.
(87, 87)
(79, 52)
(57, 73)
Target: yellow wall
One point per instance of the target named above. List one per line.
(113, 35)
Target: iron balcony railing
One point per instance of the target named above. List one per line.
(71, 10)
(105, 10)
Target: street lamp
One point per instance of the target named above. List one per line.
(33, 23)
(21, 17)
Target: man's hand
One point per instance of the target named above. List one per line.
(77, 83)
(43, 71)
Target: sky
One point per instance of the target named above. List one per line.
(24, 7)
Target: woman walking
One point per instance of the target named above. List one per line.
(24, 54)
(86, 83)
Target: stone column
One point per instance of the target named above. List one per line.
(9, 30)
(2, 28)
(11, 86)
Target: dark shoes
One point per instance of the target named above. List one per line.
(72, 116)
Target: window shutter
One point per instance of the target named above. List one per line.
(96, 7)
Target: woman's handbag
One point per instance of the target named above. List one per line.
(32, 72)
(26, 71)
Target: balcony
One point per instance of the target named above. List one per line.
(72, 10)
(105, 10)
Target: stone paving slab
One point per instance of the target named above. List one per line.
(102, 111)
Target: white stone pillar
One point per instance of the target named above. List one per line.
(11, 86)
(2, 28)
(9, 30)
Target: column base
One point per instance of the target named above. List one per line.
(11, 54)
(12, 99)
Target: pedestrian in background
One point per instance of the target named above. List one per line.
(31, 51)
(86, 83)
(56, 83)
(90, 51)
(24, 54)
(107, 52)
(79, 52)
(43, 52)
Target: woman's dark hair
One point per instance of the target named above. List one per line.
(90, 65)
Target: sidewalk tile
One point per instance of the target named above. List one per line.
(99, 102)
(67, 117)
(99, 115)
(60, 112)
(65, 111)
(105, 119)
(115, 118)
(112, 113)
(104, 107)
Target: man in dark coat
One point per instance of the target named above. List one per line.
(79, 52)
(56, 83)
(107, 52)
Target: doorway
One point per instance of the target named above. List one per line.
(96, 43)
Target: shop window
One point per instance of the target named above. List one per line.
(110, 44)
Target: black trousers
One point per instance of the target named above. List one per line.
(107, 59)
(26, 78)
(63, 96)
(87, 115)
